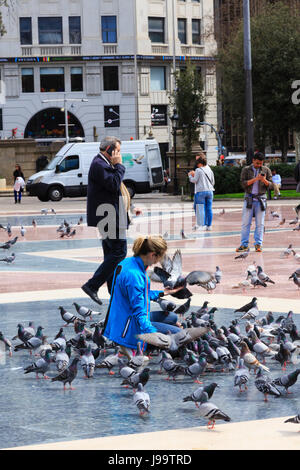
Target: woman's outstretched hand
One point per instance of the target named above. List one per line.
(168, 291)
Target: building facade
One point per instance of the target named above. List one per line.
(104, 67)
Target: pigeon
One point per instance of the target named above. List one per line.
(61, 359)
(259, 347)
(197, 368)
(222, 212)
(182, 234)
(275, 215)
(88, 363)
(242, 285)
(175, 341)
(249, 359)
(296, 229)
(138, 377)
(182, 309)
(7, 343)
(109, 362)
(59, 341)
(251, 314)
(141, 400)
(80, 221)
(295, 278)
(170, 367)
(282, 222)
(265, 385)
(218, 275)
(282, 356)
(9, 259)
(288, 251)
(44, 211)
(166, 235)
(53, 211)
(241, 376)
(242, 255)
(41, 366)
(287, 381)
(22, 231)
(84, 311)
(248, 306)
(138, 360)
(297, 210)
(67, 316)
(23, 334)
(8, 229)
(98, 338)
(71, 234)
(295, 420)
(68, 375)
(263, 276)
(255, 281)
(32, 343)
(197, 395)
(34, 224)
(211, 412)
(166, 305)
(294, 221)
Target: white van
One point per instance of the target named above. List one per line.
(67, 173)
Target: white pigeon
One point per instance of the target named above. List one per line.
(141, 399)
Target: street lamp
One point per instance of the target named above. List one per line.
(174, 118)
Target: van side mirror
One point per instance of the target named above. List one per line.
(57, 169)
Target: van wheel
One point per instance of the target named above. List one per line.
(43, 199)
(131, 189)
(55, 193)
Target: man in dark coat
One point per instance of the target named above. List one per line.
(108, 203)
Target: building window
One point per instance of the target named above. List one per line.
(110, 78)
(50, 30)
(109, 29)
(158, 78)
(196, 32)
(156, 29)
(27, 80)
(76, 79)
(182, 30)
(74, 30)
(25, 31)
(159, 115)
(52, 79)
(111, 116)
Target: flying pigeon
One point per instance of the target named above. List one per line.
(175, 341)
(141, 400)
(68, 375)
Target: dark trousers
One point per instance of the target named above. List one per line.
(16, 194)
(114, 252)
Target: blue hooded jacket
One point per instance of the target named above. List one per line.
(129, 309)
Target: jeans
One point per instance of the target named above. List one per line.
(259, 223)
(16, 194)
(203, 207)
(163, 317)
(114, 252)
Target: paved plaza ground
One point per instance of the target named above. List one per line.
(48, 271)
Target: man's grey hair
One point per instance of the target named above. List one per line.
(109, 141)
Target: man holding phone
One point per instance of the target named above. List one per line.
(255, 179)
(108, 203)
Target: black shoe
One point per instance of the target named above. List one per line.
(91, 293)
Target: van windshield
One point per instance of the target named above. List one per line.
(55, 161)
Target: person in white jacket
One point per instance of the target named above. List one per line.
(18, 189)
(204, 181)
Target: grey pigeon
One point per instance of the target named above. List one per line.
(241, 376)
(166, 305)
(211, 412)
(264, 385)
(263, 276)
(9, 259)
(88, 363)
(84, 311)
(198, 395)
(41, 366)
(218, 274)
(288, 251)
(287, 381)
(295, 420)
(138, 377)
(255, 281)
(68, 375)
(138, 360)
(247, 307)
(171, 367)
(61, 359)
(32, 343)
(22, 231)
(197, 368)
(141, 400)
(109, 362)
(6, 342)
(242, 255)
(295, 278)
(175, 341)
(182, 234)
(67, 316)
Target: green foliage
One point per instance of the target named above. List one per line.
(275, 36)
(284, 170)
(227, 179)
(3, 3)
(190, 102)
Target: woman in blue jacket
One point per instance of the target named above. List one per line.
(129, 309)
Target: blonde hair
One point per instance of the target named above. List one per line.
(151, 244)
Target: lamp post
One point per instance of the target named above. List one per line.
(219, 135)
(174, 118)
(248, 79)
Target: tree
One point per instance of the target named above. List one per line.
(275, 35)
(190, 102)
(3, 3)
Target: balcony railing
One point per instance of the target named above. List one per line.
(51, 50)
(192, 50)
(160, 49)
(110, 49)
